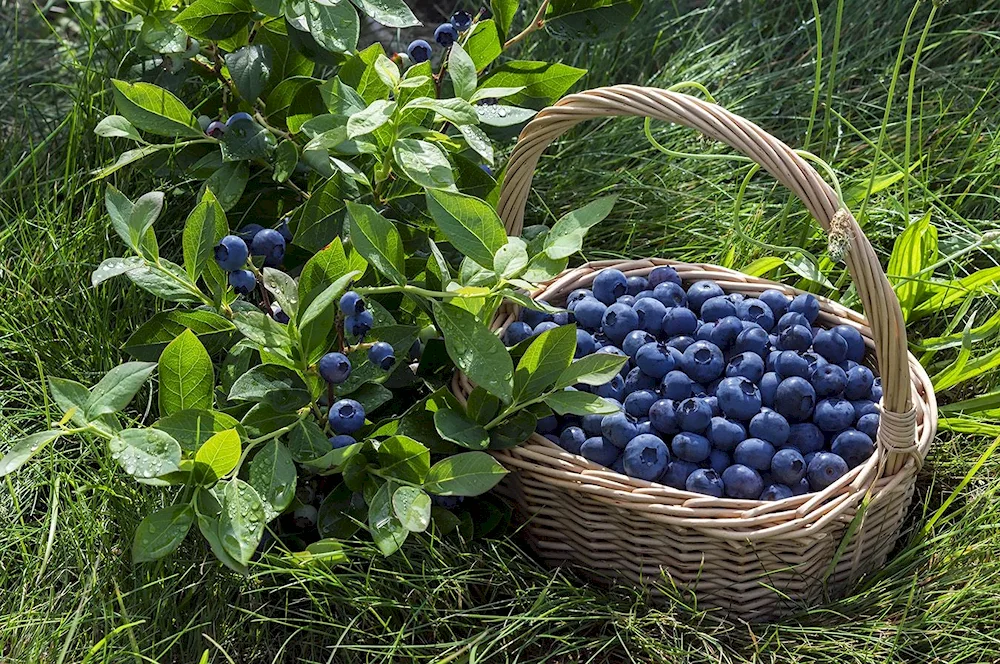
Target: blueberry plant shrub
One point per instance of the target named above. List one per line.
(341, 258)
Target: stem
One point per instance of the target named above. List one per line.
(409, 290)
(274, 130)
(536, 23)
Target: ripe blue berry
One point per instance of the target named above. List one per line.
(824, 469)
(663, 417)
(547, 424)
(635, 340)
(748, 365)
(715, 308)
(419, 51)
(679, 321)
(788, 466)
(807, 305)
(700, 292)
(305, 516)
(358, 325)
(726, 331)
(585, 344)
(670, 295)
(806, 437)
(833, 414)
(855, 342)
(600, 451)
(589, 313)
(681, 343)
(663, 274)
(776, 301)
(704, 332)
(242, 281)
(738, 398)
(618, 429)
(693, 415)
(577, 296)
(341, 440)
(238, 117)
(726, 434)
(655, 359)
(636, 285)
(755, 453)
(613, 389)
(351, 303)
(382, 355)
(752, 340)
(703, 361)
(516, 332)
(335, 368)
(651, 313)
(216, 129)
(795, 399)
(828, 380)
(638, 380)
(756, 311)
(591, 424)
(637, 404)
(789, 363)
(269, 244)
(719, 461)
(677, 473)
(646, 457)
(776, 492)
(770, 426)
(609, 285)
(831, 346)
(796, 337)
(789, 319)
(285, 231)
(706, 481)
(346, 416)
(852, 446)
(231, 253)
(619, 319)
(742, 482)
(868, 425)
(691, 447)
(859, 383)
(445, 34)
(544, 326)
(461, 20)
(571, 439)
(676, 385)
(769, 388)
(279, 315)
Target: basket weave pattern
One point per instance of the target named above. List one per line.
(752, 559)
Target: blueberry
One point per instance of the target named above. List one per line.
(636, 285)
(231, 253)
(663, 417)
(715, 308)
(789, 363)
(677, 473)
(769, 388)
(645, 295)
(681, 342)
(216, 129)
(776, 301)
(718, 461)
(756, 311)
(806, 437)
(868, 425)
(676, 385)
(700, 292)
(563, 318)
(578, 296)
(382, 355)
(614, 350)
(613, 389)
(635, 340)
(807, 305)
(738, 398)
(544, 326)
(705, 331)
(419, 51)
(833, 415)
(655, 359)
(351, 303)
(877, 390)
(789, 319)
(693, 415)
(855, 342)
(752, 340)
(646, 457)
(335, 368)
(547, 424)
(742, 482)
(852, 446)
(726, 331)
(618, 429)
(847, 365)
(599, 451)
(305, 516)
(644, 427)
(609, 285)
(238, 117)
(703, 361)
(679, 321)
(346, 416)
(246, 233)
(571, 439)
(830, 345)
(285, 231)
(788, 466)
(828, 380)
(461, 20)
(776, 492)
(585, 344)
(533, 317)
(691, 447)
(802, 487)
(638, 403)
(755, 453)
(651, 313)
(795, 399)
(341, 440)
(279, 315)
(726, 434)
(445, 34)
(637, 380)
(670, 295)
(796, 337)
(589, 313)
(663, 274)
(859, 383)
(824, 469)
(748, 365)
(591, 424)
(770, 426)
(242, 281)
(516, 332)
(359, 324)
(269, 244)
(706, 481)
(619, 465)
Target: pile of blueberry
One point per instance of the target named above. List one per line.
(722, 394)
(445, 35)
(232, 252)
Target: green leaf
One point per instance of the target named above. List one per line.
(387, 531)
(286, 156)
(217, 456)
(114, 267)
(241, 523)
(153, 109)
(457, 428)
(292, 97)
(209, 527)
(334, 24)
(390, 13)
(162, 36)
(482, 406)
(307, 442)
(511, 260)
(24, 449)
(462, 70)
(275, 385)
(579, 20)
(477, 139)
(250, 68)
(145, 453)
(321, 219)
(205, 226)
(412, 507)
(762, 266)
(165, 280)
(542, 268)
(319, 317)
(513, 431)
(341, 99)
(340, 513)
(404, 458)
(465, 474)
(914, 249)
(325, 267)
(263, 419)
(116, 389)
(470, 224)
(377, 240)
(246, 141)
(455, 111)
(573, 402)
(495, 93)
(504, 12)
(387, 70)
(286, 61)
(500, 115)
(120, 209)
(214, 19)
(321, 552)
(370, 118)
(144, 213)
(543, 82)
(566, 236)
(228, 183)
(359, 73)
(272, 474)
(596, 369)
(423, 163)
(261, 329)
(483, 45)
(116, 126)
(186, 375)
(284, 289)
(160, 533)
(191, 428)
(475, 350)
(547, 357)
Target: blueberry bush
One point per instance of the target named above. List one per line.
(341, 257)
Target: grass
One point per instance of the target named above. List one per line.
(71, 593)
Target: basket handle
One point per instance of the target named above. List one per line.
(897, 431)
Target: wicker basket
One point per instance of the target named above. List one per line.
(753, 560)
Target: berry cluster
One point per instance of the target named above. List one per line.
(232, 252)
(445, 35)
(724, 395)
